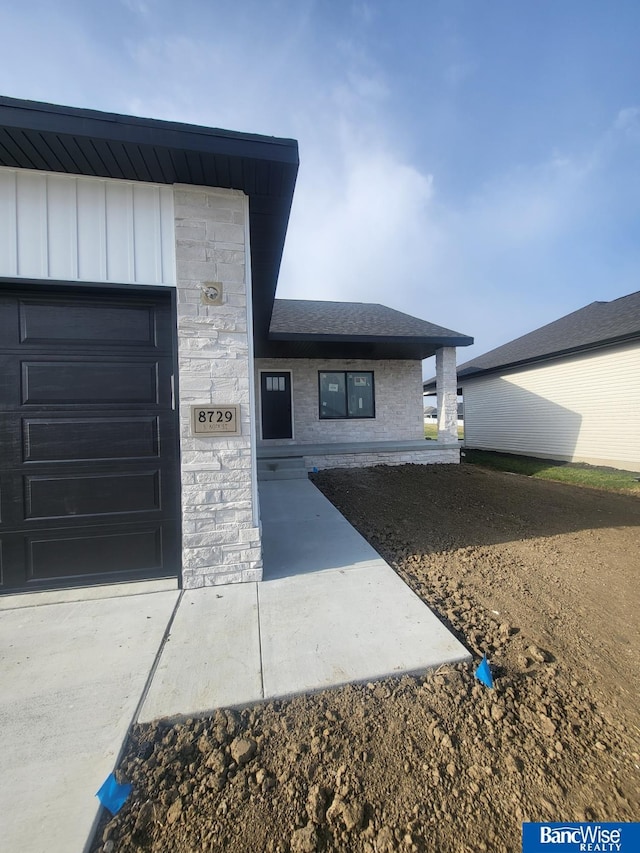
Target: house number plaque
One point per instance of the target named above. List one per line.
(215, 420)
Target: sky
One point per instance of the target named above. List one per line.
(475, 163)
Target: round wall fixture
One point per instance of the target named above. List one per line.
(212, 292)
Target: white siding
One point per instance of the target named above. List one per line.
(582, 408)
(70, 228)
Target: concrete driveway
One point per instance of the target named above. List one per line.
(72, 677)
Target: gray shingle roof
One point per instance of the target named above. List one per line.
(353, 319)
(597, 324)
(302, 328)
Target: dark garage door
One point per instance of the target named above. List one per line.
(88, 448)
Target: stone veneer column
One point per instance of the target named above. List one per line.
(447, 394)
(220, 533)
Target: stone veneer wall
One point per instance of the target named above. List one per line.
(220, 533)
(447, 394)
(444, 455)
(398, 400)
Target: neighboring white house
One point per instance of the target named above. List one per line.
(145, 365)
(431, 414)
(568, 391)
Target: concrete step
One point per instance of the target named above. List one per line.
(282, 468)
(282, 475)
(273, 462)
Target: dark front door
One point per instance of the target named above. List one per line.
(88, 461)
(275, 393)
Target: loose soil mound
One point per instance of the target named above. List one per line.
(539, 576)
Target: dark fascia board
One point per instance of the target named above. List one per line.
(458, 341)
(88, 142)
(328, 351)
(375, 348)
(514, 365)
(78, 122)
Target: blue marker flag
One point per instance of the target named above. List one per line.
(483, 673)
(112, 794)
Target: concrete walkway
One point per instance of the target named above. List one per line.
(328, 612)
(76, 673)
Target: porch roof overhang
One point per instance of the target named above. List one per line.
(377, 348)
(52, 138)
(316, 329)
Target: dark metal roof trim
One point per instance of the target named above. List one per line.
(48, 137)
(378, 350)
(461, 341)
(37, 116)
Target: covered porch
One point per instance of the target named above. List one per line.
(340, 385)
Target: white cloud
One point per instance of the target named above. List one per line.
(368, 225)
(360, 228)
(628, 120)
(138, 7)
(363, 11)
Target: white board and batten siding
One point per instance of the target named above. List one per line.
(581, 408)
(68, 228)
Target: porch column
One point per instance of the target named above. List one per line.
(447, 394)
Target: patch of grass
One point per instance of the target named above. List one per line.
(574, 473)
(431, 431)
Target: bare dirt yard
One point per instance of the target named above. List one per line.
(540, 576)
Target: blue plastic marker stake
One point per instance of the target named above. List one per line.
(483, 673)
(112, 794)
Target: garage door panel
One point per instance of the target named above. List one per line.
(10, 441)
(11, 499)
(11, 562)
(9, 326)
(48, 495)
(73, 383)
(110, 322)
(55, 496)
(96, 439)
(9, 382)
(90, 323)
(58, 555)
